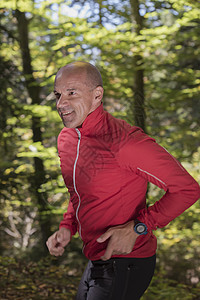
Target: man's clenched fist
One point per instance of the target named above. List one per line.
(57, 241)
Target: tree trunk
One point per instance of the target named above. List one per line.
(100, 12)
(34, 93)
(138, 86)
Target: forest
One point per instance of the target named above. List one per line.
(148, 53)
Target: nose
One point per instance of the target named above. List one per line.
(62, 102)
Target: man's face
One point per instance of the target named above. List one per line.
(75, 99)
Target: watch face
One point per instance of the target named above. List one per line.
(141, 228)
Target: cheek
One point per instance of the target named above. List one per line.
(83, 108)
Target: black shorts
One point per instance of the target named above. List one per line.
(116, 279)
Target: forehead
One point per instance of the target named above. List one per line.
(65, 76)
(70, 85)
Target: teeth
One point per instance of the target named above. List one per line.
(66, 113)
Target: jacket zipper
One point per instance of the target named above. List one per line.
(74, 180)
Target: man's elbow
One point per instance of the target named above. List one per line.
(197, 188)
(194, 190)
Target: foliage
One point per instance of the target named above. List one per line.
(41, 280)
(163, 288)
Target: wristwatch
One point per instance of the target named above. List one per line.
(139, 227)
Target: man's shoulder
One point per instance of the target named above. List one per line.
(126, 129)
(120, 133)
(116, 123)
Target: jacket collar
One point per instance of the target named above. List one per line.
(92, 120)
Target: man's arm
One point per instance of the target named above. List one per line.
(69, 219)
(146, 158)
(151, 161)
(60, 239)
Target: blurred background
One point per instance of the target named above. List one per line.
(149, 56)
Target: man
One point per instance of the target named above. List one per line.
(106, 165)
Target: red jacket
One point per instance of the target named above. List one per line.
(106, 165)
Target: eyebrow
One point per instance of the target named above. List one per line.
(70, 89)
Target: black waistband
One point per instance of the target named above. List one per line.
(122, 259)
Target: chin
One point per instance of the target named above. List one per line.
(73, 124)
(69, 126)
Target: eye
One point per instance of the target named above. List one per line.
(71, 93)
(57, 95)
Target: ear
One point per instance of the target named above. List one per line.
(98, 93)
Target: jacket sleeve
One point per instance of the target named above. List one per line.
(69, 219)
(142, 155)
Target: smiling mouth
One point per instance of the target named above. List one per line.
(67, 113)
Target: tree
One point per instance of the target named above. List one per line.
(146, 48)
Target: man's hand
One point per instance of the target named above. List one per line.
(121, 240)
(57, 241)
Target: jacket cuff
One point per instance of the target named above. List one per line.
(73, 228)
